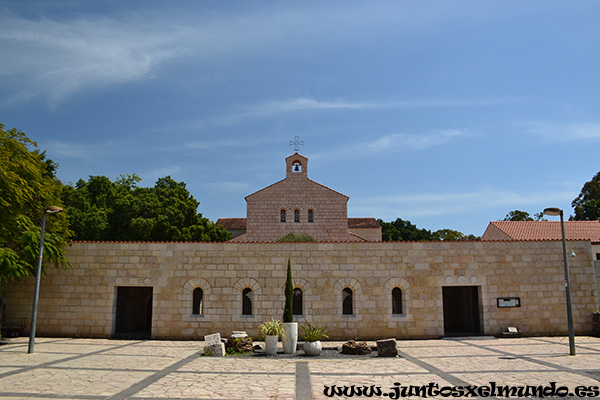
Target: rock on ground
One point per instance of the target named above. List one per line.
(351, 347)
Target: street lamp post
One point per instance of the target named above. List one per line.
(38, 275)
(555, 212)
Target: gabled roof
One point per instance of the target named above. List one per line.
(232, 224)
(542, 230)
(239, 224)
(363, 223)
(309, 180)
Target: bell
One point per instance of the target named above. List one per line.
(296, 168)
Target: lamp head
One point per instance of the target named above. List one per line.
(53, 209)
(552, 211)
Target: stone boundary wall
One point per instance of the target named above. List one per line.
(81, 301)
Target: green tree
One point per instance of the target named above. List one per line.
(293, 237)
(451, 235)
(288, 309)
(27, 186)
(103, 210)
(401, 230)
(587, 204)
(518, 215)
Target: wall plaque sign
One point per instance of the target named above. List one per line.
(506, 302)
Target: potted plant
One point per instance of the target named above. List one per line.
(270, 331)
(290, 328)
(312, 338)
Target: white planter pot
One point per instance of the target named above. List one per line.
(271, 344)
(312, 348)
(290, 337)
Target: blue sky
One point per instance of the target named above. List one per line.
(446, 113)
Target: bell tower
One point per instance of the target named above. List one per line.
(296, 166)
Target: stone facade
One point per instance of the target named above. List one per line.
(82, 301)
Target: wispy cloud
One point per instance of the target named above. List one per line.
(298, 105)
(555, 132)
(431, 204)
(309, 103)
(80, 151)
(54, 58)
(229, 187)
(393, 142)
(154, 174)
(211, 145)
(403, 140)
(58, 59)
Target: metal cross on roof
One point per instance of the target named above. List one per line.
(296, 143)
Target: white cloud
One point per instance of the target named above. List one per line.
(432, 204)
(55, 58)
(58, 59)
(211, 145)
(229, 187)
(404, 141)
(563, 132)
(299, 104)
(296, 105)
(80, 151)
(393, 142)
(154, 174)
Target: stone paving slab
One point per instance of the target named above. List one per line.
(99, 369)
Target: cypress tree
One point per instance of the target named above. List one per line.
(288, 310)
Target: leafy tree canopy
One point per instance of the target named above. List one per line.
(518, 215)
(401, 230)
(293, 237)
(103, 210)
(451, 235)
(587, 204)
(27, 186)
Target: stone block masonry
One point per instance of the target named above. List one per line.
(242, 286)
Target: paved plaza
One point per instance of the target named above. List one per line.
(95, 369)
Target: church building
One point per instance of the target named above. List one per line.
(300, 205)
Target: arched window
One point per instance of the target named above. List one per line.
(296, 215)
(297, 304)
(247, 301)
(396, 301)
(311, 216)
(197, 306)
(282, 216)
(347, 305)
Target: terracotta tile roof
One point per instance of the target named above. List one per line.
(363, 223)
(309, 180)
(232, 224)
(542, 230)
(353, 223)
